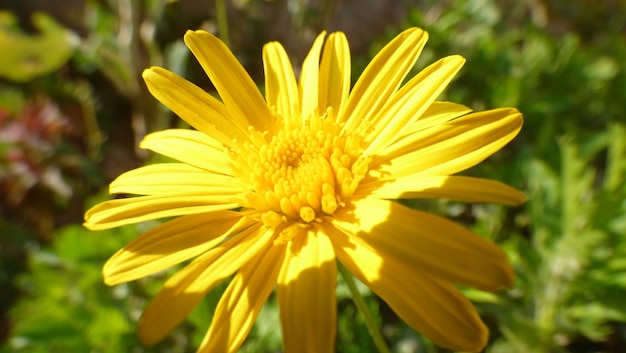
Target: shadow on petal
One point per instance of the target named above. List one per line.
(410, 259)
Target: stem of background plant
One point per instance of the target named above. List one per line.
(222, 21)
(372, 327)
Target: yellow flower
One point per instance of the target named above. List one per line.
(275, 191)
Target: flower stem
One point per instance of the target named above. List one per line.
(222, 21)
(372, 327)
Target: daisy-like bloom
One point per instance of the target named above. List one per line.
(274, 191)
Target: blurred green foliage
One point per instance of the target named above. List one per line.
(571, 271)
(67, 308)
(27, 56)
(561, 66)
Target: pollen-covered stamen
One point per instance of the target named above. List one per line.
(301, 173)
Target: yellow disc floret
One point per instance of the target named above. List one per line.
(301, 173)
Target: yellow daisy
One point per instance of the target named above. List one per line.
(275, 191)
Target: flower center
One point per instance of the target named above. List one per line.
(302, 173)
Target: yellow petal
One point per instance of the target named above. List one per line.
(237, 90)
(431, 306)
(183, 291)
(241, 303)
(460, 188)
(435, 245)
(167, 178)
(306, 294)
(192, 147)
(382, 77)
(281, 89)
(334, 77)
(452, 147)
(195, 106)
(309, 78)
(437, 114)
(115, 213)
(171, 243)
(411, 101)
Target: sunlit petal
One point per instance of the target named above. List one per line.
(306, 289)
(437, 246)
(382, 78)
(460, 188)
(451, 147)
(193, 105)
(115, 213)
(172, 243)
(183, 291)
(411, 101)
(430, 306)
(237, 90)
(308, 85)
(241, 303)
(437, 113)
(281, 89)
(167, 178)
(191, 147)
(334, 77)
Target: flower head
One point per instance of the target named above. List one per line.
(274, 191)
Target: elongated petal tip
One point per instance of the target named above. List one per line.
(108, 272)
(197, 35)
(521, 199)
(477, 345)
(89, 226)
(241, 96)
(418, 32)
(89, 219)
(514, 114)
(473, 338)
(458, 59)
(146, 72)
(154, 73)
(191, 32)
